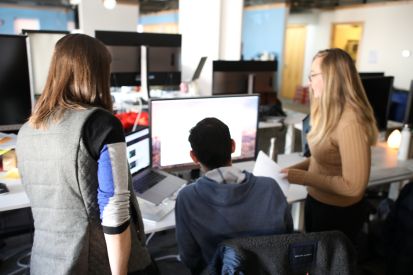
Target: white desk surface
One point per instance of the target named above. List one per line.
(292, 118)
(382, 157)
(16, 198)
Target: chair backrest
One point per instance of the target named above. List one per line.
(329, 252)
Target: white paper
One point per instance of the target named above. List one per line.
(266, 167)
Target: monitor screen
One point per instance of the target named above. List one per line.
(408, 117)
(226, 83)
(164, 65)
(370, 74)
(171, 120)
(199, 68)
(138, 150)
(235, 77)
(378, 91)
(15, 96)
(41, 45)
(125, 49)
(163, 57)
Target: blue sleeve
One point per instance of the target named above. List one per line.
(105, 141)
(113, 193)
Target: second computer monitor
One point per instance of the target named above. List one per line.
(378, 91)
(408, 117)
(41, 49)
(171, 120)
(242, 77)
(15, 96)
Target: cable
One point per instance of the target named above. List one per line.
(149, 238)
(138, 117)
(17, 271)
(167, 257)
(19, 260)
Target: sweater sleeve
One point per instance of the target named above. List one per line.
(303, 165)
(355, 160)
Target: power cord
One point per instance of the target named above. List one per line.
(135, 124)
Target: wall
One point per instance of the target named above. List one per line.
(387, 31)
(231, 30)
(49, 18)
(161, 22)
(199, 24)
(159, 18)
(263, 31)
(93, 16)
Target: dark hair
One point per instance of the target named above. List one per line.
(211, 142)
(78, 78)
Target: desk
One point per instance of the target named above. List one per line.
(16, 198)
(382, 157)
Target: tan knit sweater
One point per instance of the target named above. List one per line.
(338, 170)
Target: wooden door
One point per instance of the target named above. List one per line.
(347, 36)
(293, 59)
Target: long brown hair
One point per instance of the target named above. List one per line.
(342, 86)
(78, 78)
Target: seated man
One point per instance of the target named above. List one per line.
(226, 202)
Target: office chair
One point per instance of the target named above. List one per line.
(328, 252)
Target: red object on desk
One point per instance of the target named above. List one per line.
(302, 95)
(128, 119)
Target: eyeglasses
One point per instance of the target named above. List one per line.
(310, 77)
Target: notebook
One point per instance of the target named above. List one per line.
(149, 184)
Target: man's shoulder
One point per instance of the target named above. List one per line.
(261, 181)
(188, 190)
(267, 184)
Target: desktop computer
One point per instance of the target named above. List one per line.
(172, 119)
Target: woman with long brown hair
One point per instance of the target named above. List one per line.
(343, 129)
(72, 159)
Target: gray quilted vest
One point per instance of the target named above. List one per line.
(60, 178)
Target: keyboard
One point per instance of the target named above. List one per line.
(389, 173)
(144, 183)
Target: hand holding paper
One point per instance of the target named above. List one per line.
(265, 166)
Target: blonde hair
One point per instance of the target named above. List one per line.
(342, 86)
(78, 78)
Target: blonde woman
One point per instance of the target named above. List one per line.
(343, 129)
(72, 159)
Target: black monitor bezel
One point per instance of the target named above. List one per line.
(17, 126)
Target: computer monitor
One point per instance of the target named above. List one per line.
(15, 96)
(171, 120)
(242, 77)
(370, 74)
(305, 148)
(378, 91)
(41, 48)
(163, 57)
(126, 56)
(408, 117)
(199, 68)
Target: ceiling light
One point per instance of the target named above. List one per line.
(406, 53)
(109, 4)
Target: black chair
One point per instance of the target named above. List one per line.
(329, 252)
